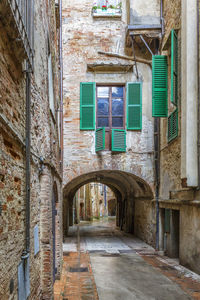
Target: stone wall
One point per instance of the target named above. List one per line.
(171, 152)
(44, 144)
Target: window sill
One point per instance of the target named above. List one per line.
(110, 13)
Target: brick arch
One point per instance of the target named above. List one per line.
(124, 182)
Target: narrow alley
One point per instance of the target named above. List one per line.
(99, 149)
(101, 262)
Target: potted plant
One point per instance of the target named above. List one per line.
(104, 7)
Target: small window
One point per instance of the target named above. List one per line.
(107, 8)
(110, 107)
(110, 110)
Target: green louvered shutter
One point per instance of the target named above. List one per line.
(173, 125)
(100, 139)
(174, 68)
(134, 106)
(159, 86)
(87, 106)
(119, 140)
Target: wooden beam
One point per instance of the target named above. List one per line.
(140, 60)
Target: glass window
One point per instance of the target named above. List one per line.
(110, 107)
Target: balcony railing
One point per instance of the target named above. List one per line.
(22, 13)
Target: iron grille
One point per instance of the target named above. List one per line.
(22, 12)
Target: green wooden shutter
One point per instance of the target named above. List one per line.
(87, 106)
(119, 140)
(159, 86)
(173, 125)
(134, 106)
(174, 68)
(100, 139)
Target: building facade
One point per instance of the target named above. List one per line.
(179, 135)
(30, 149)
(131, 90)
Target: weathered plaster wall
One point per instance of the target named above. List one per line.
(144, 12)
(190, 237)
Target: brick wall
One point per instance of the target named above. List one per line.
(44, 143)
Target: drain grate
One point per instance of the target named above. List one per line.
(111, 254)
(78, 270)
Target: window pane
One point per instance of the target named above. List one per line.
(103, 91)
(117, 122)
(103, 106)
(117, 91)
(103, 122)
(117, 107)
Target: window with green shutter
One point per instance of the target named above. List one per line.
(118, 140)
(159, 86)
(134, 106)
(100, 139)
(173, 125)
(174, 68)
(87, 106)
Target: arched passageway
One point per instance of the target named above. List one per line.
(134, 201)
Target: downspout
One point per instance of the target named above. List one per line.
(61, 86)
(28, 71)
(28, 153)
(157, 146)
(157, 173)
(161, 17)
(198, 100)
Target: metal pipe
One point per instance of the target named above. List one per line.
(137, 74)
(161, 17)
(198, 105)
(157, 169)
(28, 154)
(157, 173)
(61, 87)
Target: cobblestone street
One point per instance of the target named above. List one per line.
(100, 262)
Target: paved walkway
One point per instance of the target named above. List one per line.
(100, 262)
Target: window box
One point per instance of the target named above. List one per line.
(109, 12)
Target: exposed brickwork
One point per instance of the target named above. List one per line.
(76, 285)
(44, 144)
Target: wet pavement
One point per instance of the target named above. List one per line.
(101, 262)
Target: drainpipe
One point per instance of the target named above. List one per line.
(198, 100)
(28, 164)
(157, 165)
(61, 86)
(157, 173)
(161, 17)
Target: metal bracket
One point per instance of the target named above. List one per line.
(147, 46)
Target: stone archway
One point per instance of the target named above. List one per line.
(131, 192)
